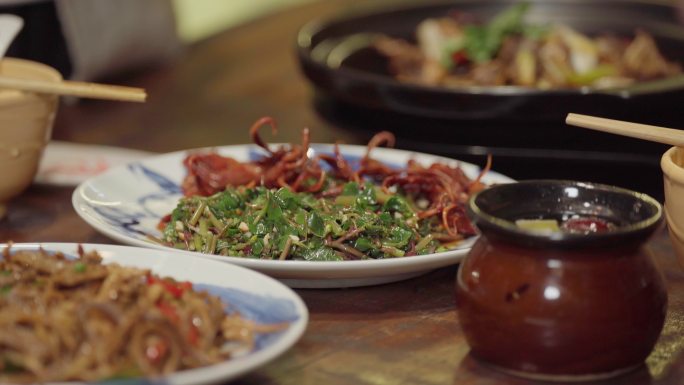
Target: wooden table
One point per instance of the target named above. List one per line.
(401, 333)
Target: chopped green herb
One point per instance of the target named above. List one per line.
(480, 43)
(362, 223)
(10, 367)
(80, 267)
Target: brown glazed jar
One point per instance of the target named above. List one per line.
(556, 305)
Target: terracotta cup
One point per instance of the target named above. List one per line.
(26, 120)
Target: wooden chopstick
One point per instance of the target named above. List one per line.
(658, 134)
(72, 88)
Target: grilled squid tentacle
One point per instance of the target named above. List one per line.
(254, 131)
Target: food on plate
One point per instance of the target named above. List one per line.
(297, 204)
(455, 51)
(64, 319)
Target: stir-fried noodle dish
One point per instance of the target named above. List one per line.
(457, 50)
(78, 319)
(296, 204)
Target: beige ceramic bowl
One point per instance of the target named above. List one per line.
(26, 120)
(672, 164)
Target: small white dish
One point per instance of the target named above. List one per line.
(256, 296)
(127, 202)
(68, 164)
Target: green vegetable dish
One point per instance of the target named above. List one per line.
(362, 222)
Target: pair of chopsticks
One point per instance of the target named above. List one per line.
(648, 132)
(72, 88)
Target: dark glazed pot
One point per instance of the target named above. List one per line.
(561, 306)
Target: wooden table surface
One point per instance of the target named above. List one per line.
(400, 333)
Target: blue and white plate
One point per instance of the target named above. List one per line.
(126, 203)
(256, 296)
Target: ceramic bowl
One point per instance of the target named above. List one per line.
(672, 164)
(26, 120)
(561, 306)
(337, 57)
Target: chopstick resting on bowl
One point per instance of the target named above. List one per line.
(72, 88)
(648, 132)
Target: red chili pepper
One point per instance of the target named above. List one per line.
(163, 222)
(587, 225)
(151, 279)
(156, 352)
(193, 335)
(176, 289)
(459, 57)
(172, 289)
(169, 311)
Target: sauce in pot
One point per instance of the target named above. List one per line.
(568, 224)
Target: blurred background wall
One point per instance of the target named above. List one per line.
(198, 19)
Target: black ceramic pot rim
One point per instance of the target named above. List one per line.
(636, 231)
(305, 49)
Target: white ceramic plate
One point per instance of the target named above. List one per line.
(126, 203)
(254, 295)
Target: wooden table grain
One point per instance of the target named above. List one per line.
(399, 333)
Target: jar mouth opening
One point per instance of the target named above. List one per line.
(498, 207)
